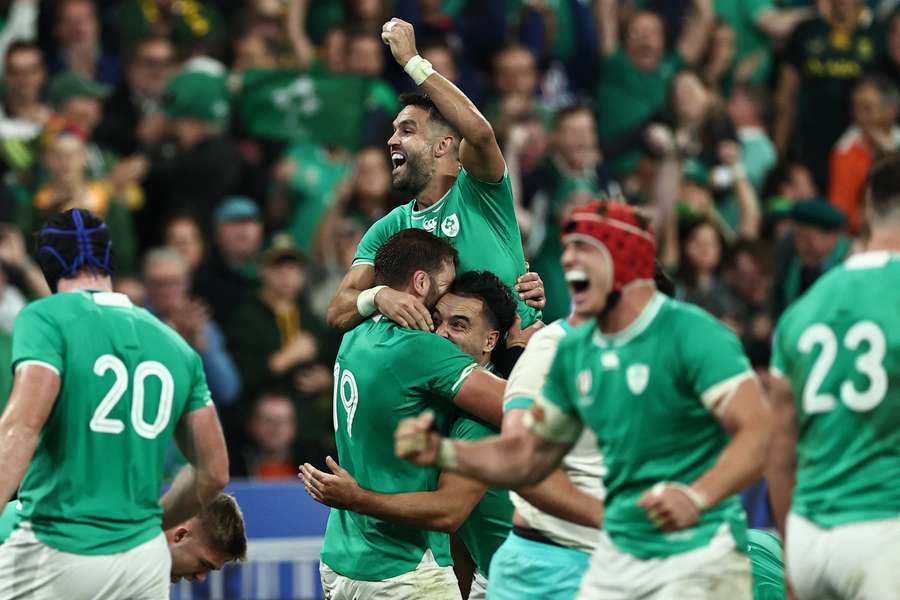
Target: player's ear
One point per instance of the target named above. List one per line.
(444, 146)
(491, 342)
(421, 283)
(181, 532)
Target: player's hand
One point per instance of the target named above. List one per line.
(415, 442)
(338, 490)
(669, 507)
(530, 287)
(404, 309)
(518, 337)
(400, 36)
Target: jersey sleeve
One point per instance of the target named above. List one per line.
(778, 363)
(713, 360)
(466, 428)
(528, 376)
(494, 201)
(199, 395)
(37, 338)
(377, 235)
(554, 416)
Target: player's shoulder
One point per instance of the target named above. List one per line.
(577, 336)
(59, 308)
(684, 315)
(551, 334)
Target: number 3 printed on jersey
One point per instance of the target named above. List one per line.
(101, 423)
(345, 387)
(870, 363)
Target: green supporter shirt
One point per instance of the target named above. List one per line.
(126, 380)
(647, 393)
(839, 346)
(381, 377)
(750, 40)
(766, 565)
(489, 524)
(478, 218)
(9, 518)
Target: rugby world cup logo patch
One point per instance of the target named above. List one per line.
(450, 226)
(584, 383)
(637, 377)
(430, 225)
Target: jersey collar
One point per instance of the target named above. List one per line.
(421, 214)
(617, 340)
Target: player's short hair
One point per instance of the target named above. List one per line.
(884, 186)
(223, 524)
(408, 251)
(425, 102)
(71, 243)
(498, 301)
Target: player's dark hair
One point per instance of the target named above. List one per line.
(408, 251)
(499, 304)
(884, 185)
(223, 523)
(425, 102)
(73, 242)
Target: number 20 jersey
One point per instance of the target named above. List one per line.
(93, 485)
(839, 346)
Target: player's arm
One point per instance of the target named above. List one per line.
(402, 308)
(33, 395)
(199, 437)
(781, 468)
(479, 152)
(558, 496)
(481, 394)
(444, 509)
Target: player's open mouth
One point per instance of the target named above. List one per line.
(578, 283)
(398, 159)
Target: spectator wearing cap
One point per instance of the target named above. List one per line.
(230, 272)
(818, 243)
(167, 284)
(76, 30)
(203, 165)
(874, 133)
(272, 335)
(193, 26)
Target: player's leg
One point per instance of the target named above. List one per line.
(23, 566)
(523, 569)
(805, 551)
(428, 581)
(613, 574)
(708, 576)
(872, 569)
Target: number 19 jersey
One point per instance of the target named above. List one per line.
(839, 346)
(126, 378)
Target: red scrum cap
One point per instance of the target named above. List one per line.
(625, 236)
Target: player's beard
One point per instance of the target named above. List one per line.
(416, 174)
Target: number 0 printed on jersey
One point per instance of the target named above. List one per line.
(345, 387)
(864, 336)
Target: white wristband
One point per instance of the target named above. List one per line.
(365, 302)
(698, 498)
(446, 456)
(418, 69)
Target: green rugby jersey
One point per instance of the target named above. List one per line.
(383, 374)
(490, 522)
(477, 218)
(839, 345)
(646, 392)
(9, 518)
(766, 565)
(93, 485)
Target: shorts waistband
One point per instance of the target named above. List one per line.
(533, 547)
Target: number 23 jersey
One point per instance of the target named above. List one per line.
(93, 485)
(839, 346)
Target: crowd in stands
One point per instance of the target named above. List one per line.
(237, 151)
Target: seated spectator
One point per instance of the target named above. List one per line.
(18, 23)
(229, 273)
(272, 335)
(191, 25)
(748, 109)
(748, 275)
(818, 243)
(698, 119)
(697, 279)
(22, 113)
(77, 33)
(167, 283)
(183, 235)
(874, 133)
(132, 120)
(269, 449)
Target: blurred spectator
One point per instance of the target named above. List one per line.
(514, 80)
(229, 273)
(68, 186)
(77, 33)
(18, 266)
(748, 274)
(203, 164)
(193, 26)
(874, 133)
(183, 235)
(697, 280)
(23, 113)
(818, 244)
(18, 23)
(890, 61)
(824, 58)
(252, 51)
(269, 450)
(167, 283)
(272, 335)
(132, 120)
(132, 287)
(748, 108)
(720, 70)
(634, 78)
(698, 119)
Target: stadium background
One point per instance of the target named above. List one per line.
(237, 149)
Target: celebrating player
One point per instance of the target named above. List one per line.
(470, 207)
(100, 388)
(383, 373)
(475, 315)
(834, 472)
(663, 385)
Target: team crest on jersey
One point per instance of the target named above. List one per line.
(450, 226)
(584, 383)
(637, 377)
(430, 225)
